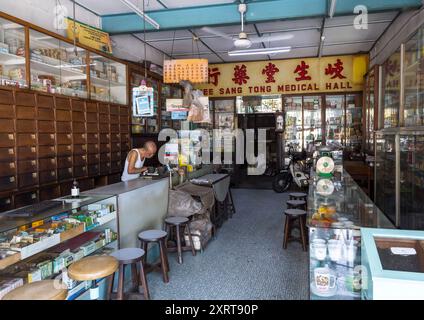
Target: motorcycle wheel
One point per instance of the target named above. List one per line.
(281, 182)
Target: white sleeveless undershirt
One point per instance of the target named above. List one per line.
(138, 165)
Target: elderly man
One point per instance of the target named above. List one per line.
(134, 164)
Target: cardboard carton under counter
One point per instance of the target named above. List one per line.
(393, 262)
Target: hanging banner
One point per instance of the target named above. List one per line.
(89, 36)
(193, 70)
(290, 76)
(143, 101)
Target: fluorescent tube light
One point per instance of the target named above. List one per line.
(332, 8)
(144, 16)
(259, 51)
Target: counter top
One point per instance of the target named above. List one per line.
(123, 187)
(332, 199)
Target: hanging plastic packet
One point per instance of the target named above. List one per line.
(143, 100)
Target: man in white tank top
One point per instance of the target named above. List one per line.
(134, 164)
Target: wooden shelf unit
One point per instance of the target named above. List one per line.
(47, 140)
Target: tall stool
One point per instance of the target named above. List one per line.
(298, 196)
(39, 290)
(132, 257)
(293, 215)
(296, 204)
(177, 223)
(91, 269)
(158, 236)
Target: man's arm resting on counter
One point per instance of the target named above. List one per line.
(132, 159)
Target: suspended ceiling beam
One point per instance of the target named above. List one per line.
(258, 11)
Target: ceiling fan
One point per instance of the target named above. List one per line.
(243, 41)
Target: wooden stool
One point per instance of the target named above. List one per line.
(91, 269)
(132, 257)
(40, 290)
(291, 216)
(159, 236)
(178, 222)
(298, 196)
(296, 204)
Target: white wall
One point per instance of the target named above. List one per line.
(399, 31)
(41, 13)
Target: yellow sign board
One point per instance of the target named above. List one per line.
(89, 36)
(194, 70)
(291, 76)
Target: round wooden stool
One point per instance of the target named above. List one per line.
(296, 204)
(293, 215)
(91, 269)
(177, 223)
(40, 290)
(298, 196)
(158, 236)
(132, 257)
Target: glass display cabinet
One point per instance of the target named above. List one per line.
(337, 209)
(335, 119)
(354, 122)
(294, 122)
(370, 108)
(312, 120)
(39, 242)
(12, 54)
(56, 66)
(413, 113)
(391, 90)
(393, 264)
(400, 176)
(108, 80)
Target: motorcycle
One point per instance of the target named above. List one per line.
(296, 171)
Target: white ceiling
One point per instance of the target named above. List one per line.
(340, 35)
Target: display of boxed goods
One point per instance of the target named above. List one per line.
(7, 285)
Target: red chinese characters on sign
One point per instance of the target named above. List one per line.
(302, 71)
(270, 70)
(335, 70)
(213, 76)
(240, 75)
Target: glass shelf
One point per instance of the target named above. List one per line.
(12, 54)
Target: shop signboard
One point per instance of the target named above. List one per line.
(290, 76)
(193, 70)
(89, 36)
